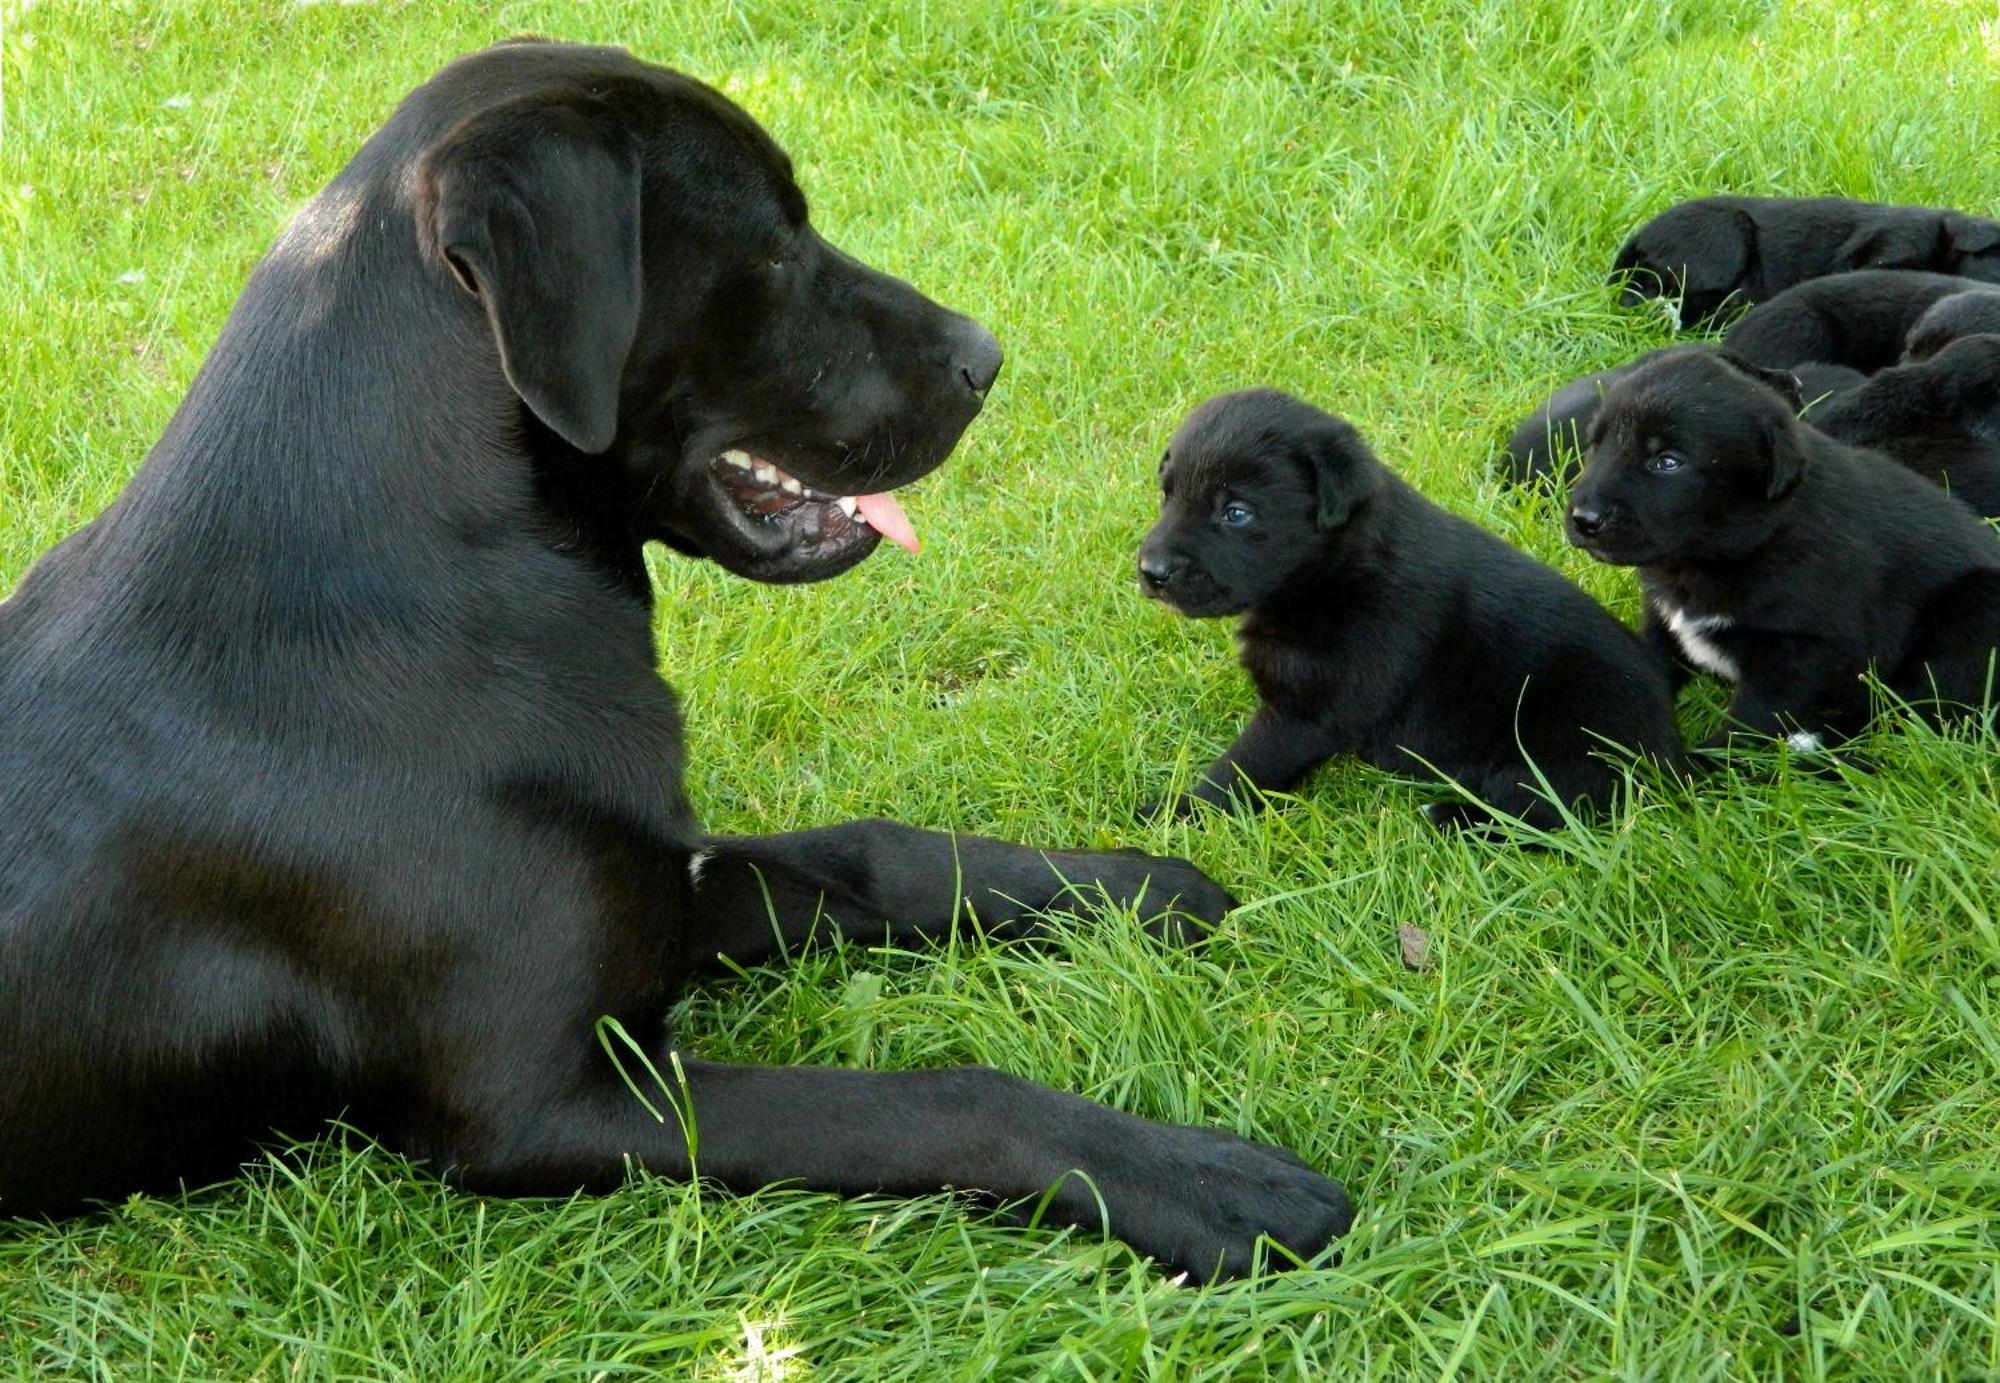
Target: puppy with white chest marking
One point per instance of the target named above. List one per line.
(1379, 625)
(1780, 559)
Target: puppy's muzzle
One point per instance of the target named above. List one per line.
(1587, 520)
(1156, 574)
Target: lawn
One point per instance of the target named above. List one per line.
(1710, 1091)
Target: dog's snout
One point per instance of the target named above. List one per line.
(1155, 571)
(1586, 519)
(976, 358)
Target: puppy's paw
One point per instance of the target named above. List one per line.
(1205, 1202)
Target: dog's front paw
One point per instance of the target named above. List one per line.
(1204, 1200)
(1179, 902)
(1189, 903)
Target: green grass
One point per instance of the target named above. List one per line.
(1712, 1091)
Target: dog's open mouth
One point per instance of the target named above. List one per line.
(784, 506)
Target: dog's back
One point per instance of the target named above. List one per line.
(1558, 675)
(1478, 656)
(1938, 416)
(1857, 319)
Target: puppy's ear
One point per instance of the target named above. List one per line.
(1971, 235)
(1783, 383)
(1346, 474)
(1903, 242)
(1784, 440)
(535, 208)
(1715, 255)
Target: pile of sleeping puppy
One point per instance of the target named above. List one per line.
(1804, 504)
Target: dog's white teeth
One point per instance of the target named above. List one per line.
(847, 505)
(738, 459)
(791, 486)
(766, 472)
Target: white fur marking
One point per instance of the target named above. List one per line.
(1804, 742)
(1691, 632)
(696, 862)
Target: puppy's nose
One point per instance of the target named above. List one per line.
(1156, 572)
(1586, 519)
(976, 358)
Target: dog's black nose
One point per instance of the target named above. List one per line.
(1155, 572)
(976, 358)
(1586, 519)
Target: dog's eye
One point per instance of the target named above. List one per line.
(1660, 462)
(1237, 515)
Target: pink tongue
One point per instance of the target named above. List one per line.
(886, 517)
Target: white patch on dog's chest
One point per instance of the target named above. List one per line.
(1691, 633)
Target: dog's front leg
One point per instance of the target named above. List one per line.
(1800, 692)
(1196, 1199)
(876, 880)
(1273, 754)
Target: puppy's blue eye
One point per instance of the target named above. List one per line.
(1236, 515)
(1661, 462)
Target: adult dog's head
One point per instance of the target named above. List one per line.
(658, 301)
(1253, 486)
(1691, 459)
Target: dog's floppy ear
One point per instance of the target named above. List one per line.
(1345, 472)
(1783, 383)
(1712, 254)
(1786, 443)
(1781, 434)
(1971, 235)
(1901, 242)
(534, 206)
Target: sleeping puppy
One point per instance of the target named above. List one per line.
(1735, 251)
(1859, 320)
(1550, 441)
(1940, 417)
(1780, 559)
(1379, 625)
(1973, 312)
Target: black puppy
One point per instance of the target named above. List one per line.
(1940, 417)
(1382, 626)
(1780, 559)
(1718, 252)
(337, 776)
(1550, 441)
(1859, 320)
(1974, 312)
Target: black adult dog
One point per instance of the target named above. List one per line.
(1781, 560)
(1940, 416)
(1380, 625)
(1861, 320)
(1549, 443)
(1718, 252)
(335, 772)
